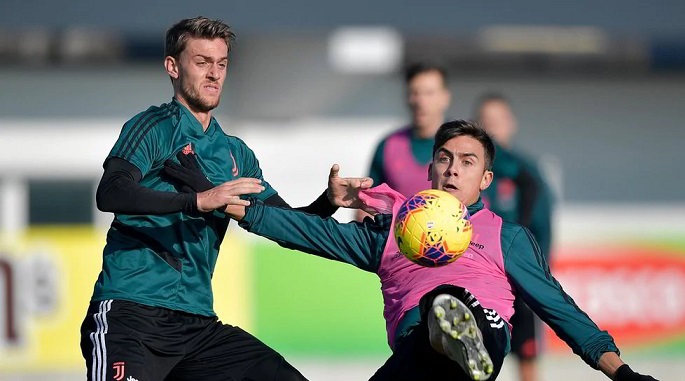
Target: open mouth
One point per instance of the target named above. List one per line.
(449, 187)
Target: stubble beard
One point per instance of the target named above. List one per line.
(195, 100)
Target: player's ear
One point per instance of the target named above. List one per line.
(430, 172)
(486, 180)
(171, 67)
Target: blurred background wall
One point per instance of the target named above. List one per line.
(598, 89)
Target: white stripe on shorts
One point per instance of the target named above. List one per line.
(495, 320)
(99, 370)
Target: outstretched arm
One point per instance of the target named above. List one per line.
(341, 191)
(359, 244)
(530, 274)
(321, 206)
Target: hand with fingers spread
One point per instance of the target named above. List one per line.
(344, 191)
(228, 193)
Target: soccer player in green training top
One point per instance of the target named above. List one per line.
(151, 315)
(518, 193)
(449, 322)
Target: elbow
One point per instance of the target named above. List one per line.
(102, 204)
(103, 201)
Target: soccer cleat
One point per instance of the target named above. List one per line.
(454, 333)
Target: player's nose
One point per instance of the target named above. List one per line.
(214, 73)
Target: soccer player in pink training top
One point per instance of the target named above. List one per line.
(449, 322)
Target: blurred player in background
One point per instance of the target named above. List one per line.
(401, 159)
(151, 316)
(448, 322)
(518, 194)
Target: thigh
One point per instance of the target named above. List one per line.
(221, 352)
(114, 350)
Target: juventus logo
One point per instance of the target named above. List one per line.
(234, 171)
(118, 370)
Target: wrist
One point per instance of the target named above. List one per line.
(329, 196)
(325, 203)
(622, 373)
(198, 202)
(248, 214)
(236, 212)
(189, 202)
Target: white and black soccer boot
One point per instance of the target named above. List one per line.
(453, 332)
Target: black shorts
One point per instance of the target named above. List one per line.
(525, 325)
(414, 359)
(126, 341)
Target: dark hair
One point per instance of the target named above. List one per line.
(487, 98)
(455, 128)
(198, 27)
(419, 68)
